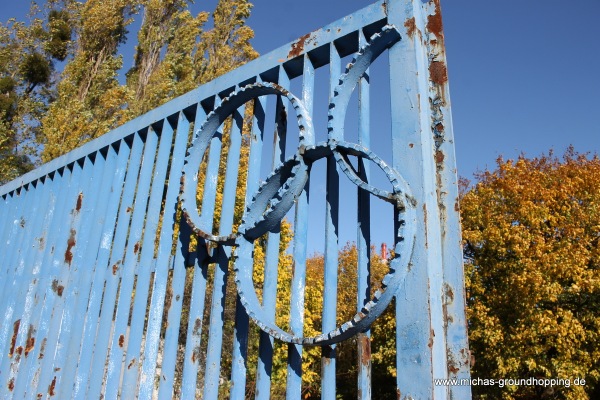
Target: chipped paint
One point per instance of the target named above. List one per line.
(56, 288)
(411, 26)
(13, 340)
(439, 157)
(79, 202)
(52, 387)
(70, 244)
(434, 24)
(30, 342)
(297, 47)
(438, 72)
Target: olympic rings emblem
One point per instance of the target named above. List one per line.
(276, 196)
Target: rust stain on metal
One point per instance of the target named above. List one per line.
(434, 23)
(195, 354)
(431, 336)
(19, 350)
(449, 293)
(42, 348)
(365, 349)
(40, 395)
(439, 127)
(298, 46)
(129, 209)
(58, 289)
(121, 341)
(425, 225)
(79, 201)
(11, 384)
(448, 299)
(411, 145)
(411, 26)
(456, 206)
(70, 243)
(136, 248)
(51, 387)
(452, 368)
(131, 364)
(30, 342)
(438, 72)
(115, 268)
(439, 157)
(13, 340)
(197, 326)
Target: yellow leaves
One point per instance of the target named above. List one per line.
(531, 243)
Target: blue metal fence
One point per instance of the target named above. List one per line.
(119, 261)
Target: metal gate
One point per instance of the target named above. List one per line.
(120, 261)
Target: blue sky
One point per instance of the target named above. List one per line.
(524, 75)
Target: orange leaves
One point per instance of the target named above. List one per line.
(531, 230)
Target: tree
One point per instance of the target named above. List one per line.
(27, 55)
(174, 54)
(90, 100)
(531, 230)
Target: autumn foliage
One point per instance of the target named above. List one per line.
(531, 230)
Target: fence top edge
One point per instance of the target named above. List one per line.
(357, 20)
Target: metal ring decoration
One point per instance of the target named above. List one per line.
(252, 228)
(277, 195)
(189, 178)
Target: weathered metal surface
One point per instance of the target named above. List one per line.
(124, 274)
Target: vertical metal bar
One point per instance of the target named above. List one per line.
(363, 242)
(241, 329)
(265, 357)
(99, 322)
(65, 252)
(294, 369)
(120, 320)
(155, 316)
(171, 346)
(106, 210)
(191, 361)
(419, 344)
(145, 265)
(215, 337)
(328, 358)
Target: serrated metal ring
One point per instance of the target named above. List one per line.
(189, 178)
(258, 221)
